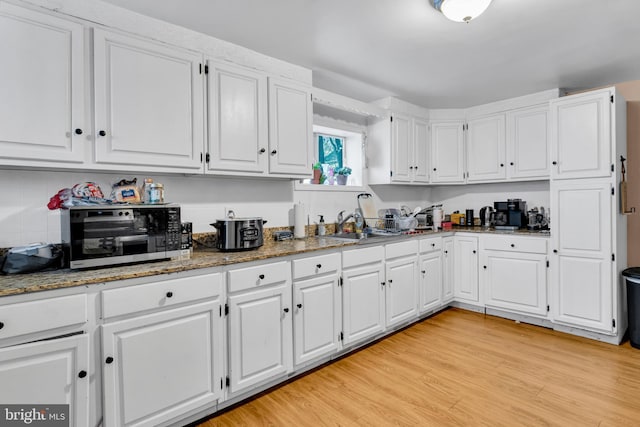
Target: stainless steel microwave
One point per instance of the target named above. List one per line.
(94, 236)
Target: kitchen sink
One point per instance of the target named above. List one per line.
(363, 238)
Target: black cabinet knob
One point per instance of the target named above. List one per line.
(424, 271)
(382, 283)
(262, 150)
(433, 245)
(169, 294)
(474, 251)
(286, 310)
(1, 325)
(82, 374)
(109, 360)
(299, 305)
(513, 246)
(554, 163)
(415, 167)
(273, 152)
(78, 131)
(102, 133)
(446, 252)
(390, 281)
(261, 276)
(484, 266)
(434, 169)
(319, 265)
(410, 167)
(511, 163)
(501, 165)
(555, 251)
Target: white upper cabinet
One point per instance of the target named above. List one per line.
(420, 158)
(42, 113)
(401, 148)
(149, 104)
(528, 143)
(238, 132)
(290, 129)
(486, 149)
(581, 135)
(447, 151)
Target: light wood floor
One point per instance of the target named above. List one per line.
(461, 368)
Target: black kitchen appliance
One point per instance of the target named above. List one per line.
(511, 214)
(239, 234)
(103, 235)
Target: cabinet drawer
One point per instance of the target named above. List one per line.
(430, 245)
(395, 250)
(43, 315)
(535, 245)
(137, 298)
(324, 264)
(356, 257)
(262, 275)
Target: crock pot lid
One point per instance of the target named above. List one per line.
(239, 219)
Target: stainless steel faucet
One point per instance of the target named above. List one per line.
(341, 220)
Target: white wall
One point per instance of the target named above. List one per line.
(24, 217)
(475, 196)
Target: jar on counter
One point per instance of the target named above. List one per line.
(155, 193)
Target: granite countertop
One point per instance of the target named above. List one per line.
(202, 258)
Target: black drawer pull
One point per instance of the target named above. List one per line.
(78, 131)
(1, 325)
(261, 277)
(555, 251)
(299, 306)
(102, 133)
(169, 294)
(554, 163)
(82, 374)
(319, 265)
(424, 271)
(109, 360)
(513, 246)
(262, 150)
(286, 310)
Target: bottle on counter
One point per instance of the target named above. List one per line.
(322, 230)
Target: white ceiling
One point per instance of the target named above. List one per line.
(368, 49)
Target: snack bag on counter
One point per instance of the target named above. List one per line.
(126, 191)
(82, 194)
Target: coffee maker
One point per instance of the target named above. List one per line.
(511, 214)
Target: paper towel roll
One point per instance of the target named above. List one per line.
(298, 221)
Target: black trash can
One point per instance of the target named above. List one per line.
(632, 276)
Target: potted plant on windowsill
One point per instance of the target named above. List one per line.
(318, 176)
(342, 174)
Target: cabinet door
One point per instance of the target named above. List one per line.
(41, 88)
(430, 281)
(447, 151)
(581, 135)
(486, 149)
(48, 372)
(515, 281)
(401, 290)
(466, 268)
(162, 365)
(363, 302)
(317, 318)
(528, 143)
(420, 161)
(260, 336)
(581, 263)
(401, 148)
(149, 103)
(290, 129)
(447, 269)
(238, 130)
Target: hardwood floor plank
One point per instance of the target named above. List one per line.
(460, 368)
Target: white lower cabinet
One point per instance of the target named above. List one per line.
(447, 269)
(259, 324)
(514, 274)
(430, 274)
(159, 366)
(582, 262)
(466, 285)
(317, 308)
(401, 294)
(362, 293)
(48, 372)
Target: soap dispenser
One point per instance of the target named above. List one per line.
(321, 228)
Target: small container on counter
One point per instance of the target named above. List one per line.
(155, 193)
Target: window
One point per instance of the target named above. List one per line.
(330, 150)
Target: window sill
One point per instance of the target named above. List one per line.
(299, 186)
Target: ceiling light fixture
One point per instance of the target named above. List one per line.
(461, 10)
